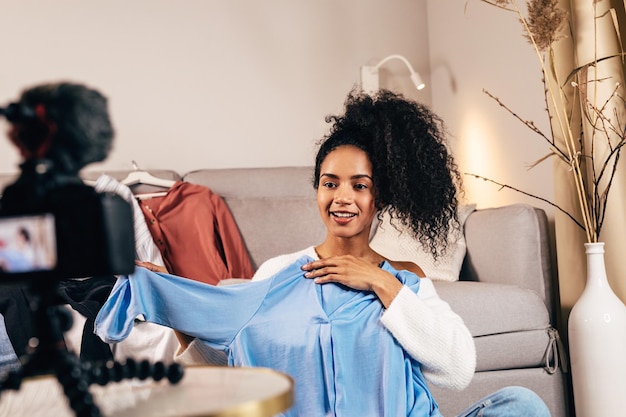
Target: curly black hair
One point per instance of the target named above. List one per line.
(84, 132)
(415, 176)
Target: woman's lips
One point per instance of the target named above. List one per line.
(342, 217)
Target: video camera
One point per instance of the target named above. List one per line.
(55, 227)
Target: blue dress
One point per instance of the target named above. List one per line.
(327, 337)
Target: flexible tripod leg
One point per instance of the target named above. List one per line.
(74, 381)
(51, 356)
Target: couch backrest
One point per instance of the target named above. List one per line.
(276, 212)
(511, 245)
(275, 208)
(92, 176)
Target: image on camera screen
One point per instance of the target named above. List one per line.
(27, 244)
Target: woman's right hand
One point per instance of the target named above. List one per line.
(356, 273)
(151, 267)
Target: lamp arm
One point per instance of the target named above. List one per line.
(400, 57)
(369, 75)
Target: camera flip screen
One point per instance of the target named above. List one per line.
(27, 244)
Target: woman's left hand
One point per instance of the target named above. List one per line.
(151, 267)
(356, 273)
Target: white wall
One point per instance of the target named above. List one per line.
(209, 83)
(474, 46)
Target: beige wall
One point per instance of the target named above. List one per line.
(245, 83)
(210, 83)
(473, 47)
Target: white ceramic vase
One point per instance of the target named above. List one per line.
(597, 343)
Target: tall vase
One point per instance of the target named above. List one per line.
(597, 343)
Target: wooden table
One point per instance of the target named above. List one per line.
(204, 391)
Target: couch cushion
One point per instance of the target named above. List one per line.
(509, 324)
(396, 242)
(495, 308)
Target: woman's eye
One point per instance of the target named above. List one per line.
(360, 186)
(329, 185)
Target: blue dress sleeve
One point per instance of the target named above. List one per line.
(213, 314)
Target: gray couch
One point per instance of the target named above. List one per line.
(506, 294)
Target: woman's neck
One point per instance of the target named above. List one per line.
(339, 247)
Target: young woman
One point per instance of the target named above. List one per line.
(361, 335)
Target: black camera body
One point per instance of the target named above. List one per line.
(74, 231)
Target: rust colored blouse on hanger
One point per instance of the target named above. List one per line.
(197, 235)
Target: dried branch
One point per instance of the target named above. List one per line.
(496, 3)
(545, 20)
(528, 194)
(528, 123)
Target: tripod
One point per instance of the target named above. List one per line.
(50, 355)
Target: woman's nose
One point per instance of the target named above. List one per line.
(343, 195)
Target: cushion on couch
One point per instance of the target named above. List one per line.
(517, 308)
(395, 242)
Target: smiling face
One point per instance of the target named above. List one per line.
(346, 195)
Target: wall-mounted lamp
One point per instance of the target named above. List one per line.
(369, 75)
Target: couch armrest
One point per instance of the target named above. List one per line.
(511, 245)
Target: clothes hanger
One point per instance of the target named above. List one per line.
(147, 196)
(139, 176)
